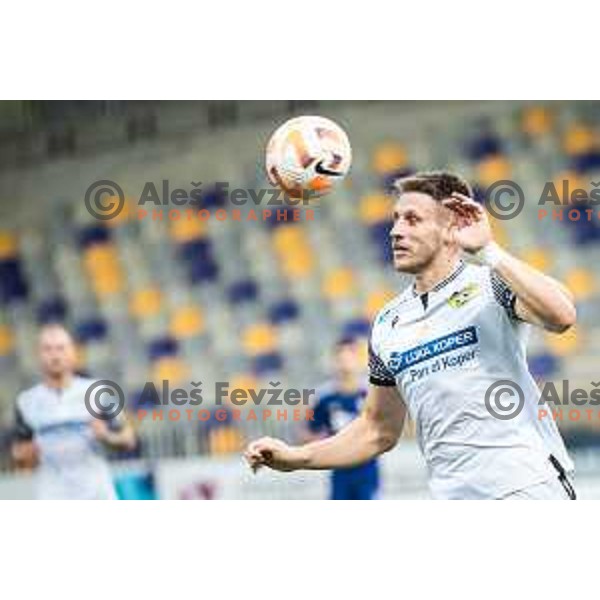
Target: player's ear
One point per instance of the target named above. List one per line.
(448, 223)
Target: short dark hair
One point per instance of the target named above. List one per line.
(346, 340)
(437, 184)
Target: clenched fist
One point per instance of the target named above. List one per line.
(274, 454)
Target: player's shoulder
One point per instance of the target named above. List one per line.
(30, 396)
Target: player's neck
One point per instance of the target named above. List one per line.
(58, 382)
(436, 272)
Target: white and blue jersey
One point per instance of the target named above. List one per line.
(333, 410)
(72, 465)
(443, 350)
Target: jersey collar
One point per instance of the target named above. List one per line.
(460, 267)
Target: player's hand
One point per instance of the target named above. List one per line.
(471, 228)
(100, 430)
(272, 453)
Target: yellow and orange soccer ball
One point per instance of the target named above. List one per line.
(308, 154)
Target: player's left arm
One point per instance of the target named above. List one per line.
(539, 299)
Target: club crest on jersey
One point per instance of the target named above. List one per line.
(463, 296)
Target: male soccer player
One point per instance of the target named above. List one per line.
(338, 403)
(440, 346)
(54, 425)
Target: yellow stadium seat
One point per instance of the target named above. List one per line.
(492, 169)
(225, 440)
(375, 208)
(7, 340)
(286, 237)
(339, 284)
(127, 212)
(581, 282)
(376, 301)
(538, 258)
(298, 264)
(565, 343)
(578, 139)
(145, 303)
(536, 121)
(8, 245)
(187, 321)
(389, 157)
(186, 230)
(259, 339)
(102, 265)
(170, 368)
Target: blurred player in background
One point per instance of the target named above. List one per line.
(438, 349)
(338, 403)
(55, 430)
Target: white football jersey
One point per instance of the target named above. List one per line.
(72, 465)
(443, 350)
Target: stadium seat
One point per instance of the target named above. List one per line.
(226, 439)
(356, 328)
(565, 343)
(145, 303)
(543, 366)
(51, 310)
(7, 341)
(493, 168)
(283, 311)
(8, 246)
(484, 145)
(91, 330)
(245, 290)
(170, 368)
(581, 282)
(186, 322)
(94, 234)
(389, 158)
(538, 258)
(264, 364)
(375, 208)
(163, 347)
(259, 339)
(376, 301)
(102, 265)
(187, 230)
(536, 121)
(578, 140)
(340, 283)
(13, 285)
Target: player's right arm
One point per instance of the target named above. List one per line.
(24, 451)
(374, 432)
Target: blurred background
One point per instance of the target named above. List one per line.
(254, 302)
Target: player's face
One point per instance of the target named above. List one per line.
(421, 225)
(347, 359)
(56, 352)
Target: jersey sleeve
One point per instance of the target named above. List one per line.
(22, 431)
(504, 296)
(379, 374)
